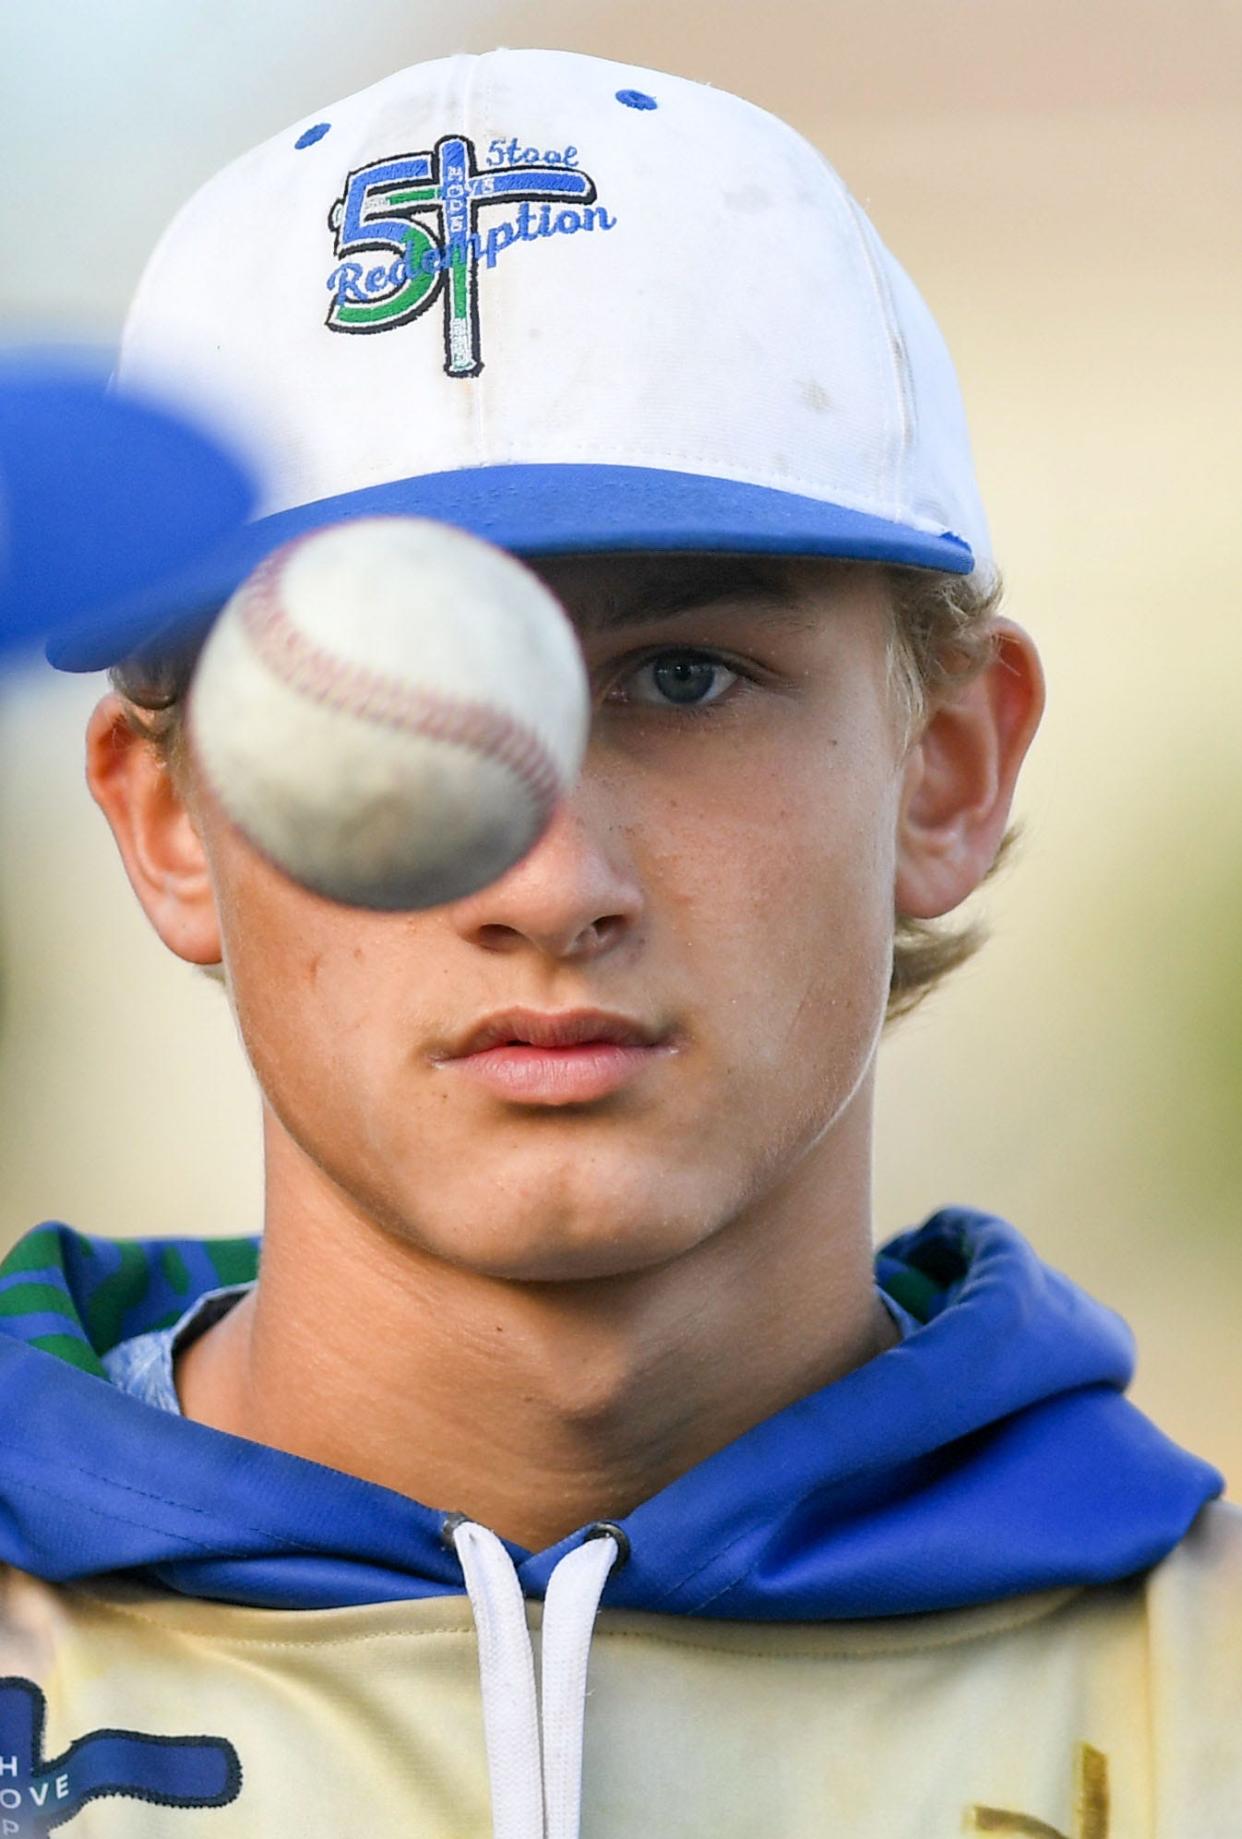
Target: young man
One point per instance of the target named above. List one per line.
(568, 1330)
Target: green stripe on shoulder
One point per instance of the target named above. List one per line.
(234, 1260)
(36, 1299)
(37, 1251)
(104, 1310)
(175, 1269)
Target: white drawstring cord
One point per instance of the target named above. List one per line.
(569, 1608)
(507, 1679)
(536, 1786)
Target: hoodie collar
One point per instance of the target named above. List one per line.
(990, 1454)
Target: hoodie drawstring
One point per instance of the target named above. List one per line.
(536, 1782)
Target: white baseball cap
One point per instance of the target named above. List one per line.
(570, 305)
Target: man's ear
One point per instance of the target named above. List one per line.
(155, 832)
(960, 776)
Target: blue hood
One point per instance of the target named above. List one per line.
(990, 1454)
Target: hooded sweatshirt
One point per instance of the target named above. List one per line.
(967, 1586)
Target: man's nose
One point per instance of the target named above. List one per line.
(575, 895)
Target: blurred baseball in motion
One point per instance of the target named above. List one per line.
(390, 711)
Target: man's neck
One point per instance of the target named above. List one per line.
(538, 1407)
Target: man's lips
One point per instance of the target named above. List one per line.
(564, 1057)
(554, 1028)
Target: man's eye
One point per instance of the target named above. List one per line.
(675, 679)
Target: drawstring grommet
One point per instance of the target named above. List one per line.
(608, 1529)
(448, 1526)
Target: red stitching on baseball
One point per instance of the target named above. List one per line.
(306, 667)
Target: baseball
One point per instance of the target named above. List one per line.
(390, 710)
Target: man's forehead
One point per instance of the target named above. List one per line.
(606, 592)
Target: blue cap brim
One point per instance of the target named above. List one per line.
(100, 497)
(532, 511)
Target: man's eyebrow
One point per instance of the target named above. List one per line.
(681, 589)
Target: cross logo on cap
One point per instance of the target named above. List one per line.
(382, 213)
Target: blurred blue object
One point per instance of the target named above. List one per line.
(101, 496)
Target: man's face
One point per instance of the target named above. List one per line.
(722, 878)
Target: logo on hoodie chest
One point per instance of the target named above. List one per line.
(419, 227)
(39, 1793)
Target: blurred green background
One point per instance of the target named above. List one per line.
(1064, 184)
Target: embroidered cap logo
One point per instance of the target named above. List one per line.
(423, 212)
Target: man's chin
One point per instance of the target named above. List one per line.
(584, 1248)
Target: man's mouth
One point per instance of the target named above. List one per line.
(560, 1057)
